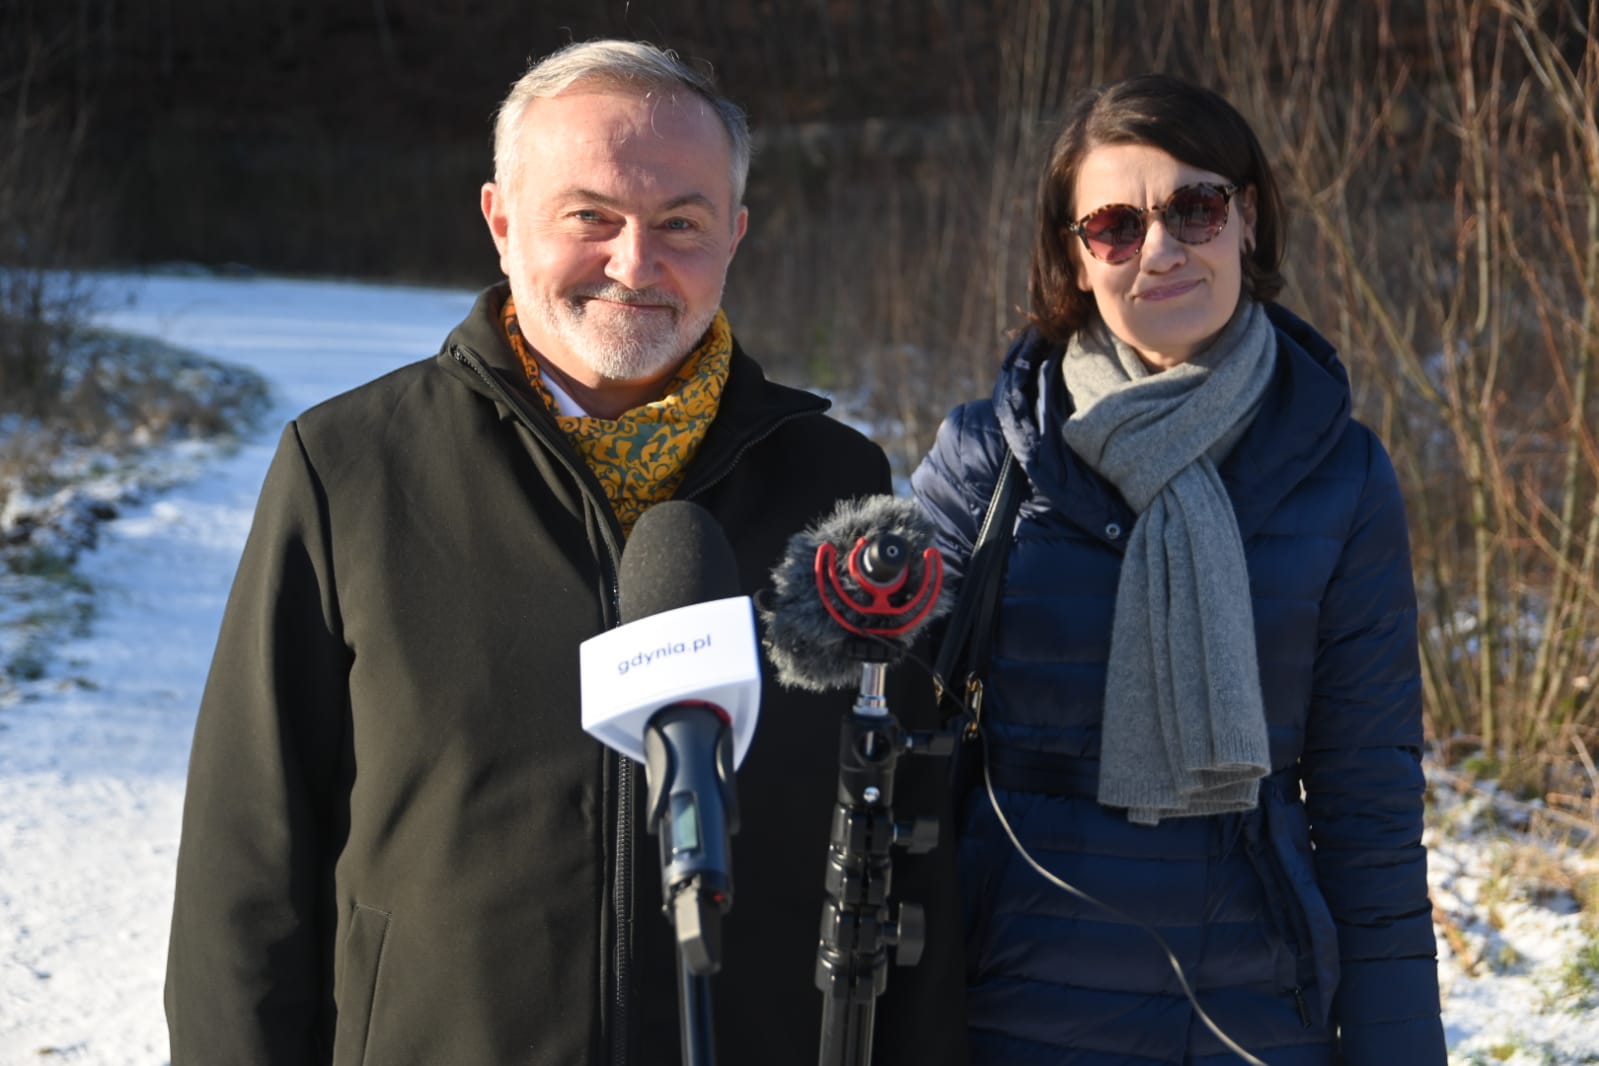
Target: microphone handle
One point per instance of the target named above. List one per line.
(693, 808)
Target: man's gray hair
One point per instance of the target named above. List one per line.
(632, 65)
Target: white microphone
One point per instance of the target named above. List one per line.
(703, 652)
(677, 687)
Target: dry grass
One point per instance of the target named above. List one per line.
(1440, 164)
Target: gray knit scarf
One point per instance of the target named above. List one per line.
(1184, 731)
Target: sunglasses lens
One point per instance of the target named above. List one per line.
(1114, 234)
(1196, 213)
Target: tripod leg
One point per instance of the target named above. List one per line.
(847, 1032)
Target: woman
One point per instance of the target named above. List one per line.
(1203, 701)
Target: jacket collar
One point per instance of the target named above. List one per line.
(1305, 411)
(751, 406)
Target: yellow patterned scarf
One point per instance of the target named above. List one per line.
(641, 457)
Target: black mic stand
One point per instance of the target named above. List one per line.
(857, 929)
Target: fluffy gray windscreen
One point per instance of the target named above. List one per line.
(808, 648)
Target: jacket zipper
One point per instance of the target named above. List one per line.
(623, 895)
(622, 883)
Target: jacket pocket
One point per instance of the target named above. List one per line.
(357, 991)
(1278, 841)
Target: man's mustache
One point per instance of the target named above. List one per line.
(623, 295)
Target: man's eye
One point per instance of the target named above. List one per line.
(586, 215)
(680, 225)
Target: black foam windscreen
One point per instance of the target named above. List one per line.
(677, 555)
(806, 644)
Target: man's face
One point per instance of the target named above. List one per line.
(618, 231)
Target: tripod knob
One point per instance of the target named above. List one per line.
(918, 836)
(908, 934)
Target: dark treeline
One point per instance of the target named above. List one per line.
(349, 136)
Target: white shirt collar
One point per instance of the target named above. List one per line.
(564, 404)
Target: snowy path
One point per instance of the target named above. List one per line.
(92, 759)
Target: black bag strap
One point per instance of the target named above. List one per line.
(963, 655)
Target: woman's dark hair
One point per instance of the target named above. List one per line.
(1189, 123)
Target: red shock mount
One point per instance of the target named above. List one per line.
(879, 604)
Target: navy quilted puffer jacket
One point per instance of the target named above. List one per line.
(1304, 925)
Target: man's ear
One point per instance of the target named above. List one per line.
(498, 218)
(741, 225)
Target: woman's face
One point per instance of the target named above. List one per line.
(1170, 298)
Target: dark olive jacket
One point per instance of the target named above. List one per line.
(400, 847)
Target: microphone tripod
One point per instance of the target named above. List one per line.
(857, 929)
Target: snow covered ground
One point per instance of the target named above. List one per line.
(92, 755)
(92, 751)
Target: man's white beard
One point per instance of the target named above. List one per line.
(620, 351)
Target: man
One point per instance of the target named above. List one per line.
(398, 844)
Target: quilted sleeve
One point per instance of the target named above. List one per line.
(1364, 785)
(956, 479)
